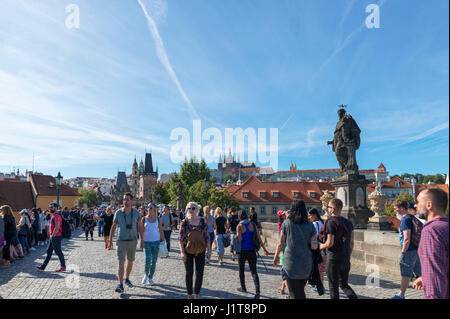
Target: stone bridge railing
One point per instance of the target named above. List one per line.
(371, 247)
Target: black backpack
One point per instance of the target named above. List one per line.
(416, 230)
(66, 230)
(255, 240)
(342, 231)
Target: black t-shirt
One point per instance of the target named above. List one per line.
(220, 223)
(10, 225)
(234, 221)
(254, 217)
(108, 219)
(341, 246)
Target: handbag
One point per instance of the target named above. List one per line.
(226, 240)
(163, 252)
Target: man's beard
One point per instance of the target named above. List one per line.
(423, 214)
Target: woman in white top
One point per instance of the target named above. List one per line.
(153, 235)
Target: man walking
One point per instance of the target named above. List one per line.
(100, 221)
(55, 239)
(129, 223)
(339, 245)
(409, 258)
(433, 247)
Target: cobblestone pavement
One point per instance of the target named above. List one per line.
(97, 279)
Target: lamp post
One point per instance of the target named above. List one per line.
(58, 187)
(206, 183)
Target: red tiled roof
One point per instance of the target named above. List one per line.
(254, 186)
(18, 195)
(45, 185)
(419, 187)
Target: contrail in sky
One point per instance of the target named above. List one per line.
(161, 52)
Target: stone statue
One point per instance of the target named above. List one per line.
(345, 142)
(180, 199)
(180, 190)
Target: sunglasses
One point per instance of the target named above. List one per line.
(191, 208)
(127, 198)
(150, 207)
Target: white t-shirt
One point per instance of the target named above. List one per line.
(151, 231)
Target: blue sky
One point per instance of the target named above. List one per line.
(86, 101)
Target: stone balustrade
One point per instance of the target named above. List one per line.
(371, 247)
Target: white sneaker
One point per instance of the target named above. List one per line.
(144, 280)
(33, 249)
(150, 282)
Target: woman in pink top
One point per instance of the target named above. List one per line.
(55, 239)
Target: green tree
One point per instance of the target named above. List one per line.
(221, 198)
(88, 197)
(161, 194)
(192, 171)
(406, 197)
(389, 210)
(228, 179)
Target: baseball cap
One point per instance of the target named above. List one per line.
(23, 211)
(281, 212)
(411, 206)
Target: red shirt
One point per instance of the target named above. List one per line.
(56, 219)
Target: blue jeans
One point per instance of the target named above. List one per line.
(100, 228)
(211, 240)
(24, 242)
(220, 248)
(55, 244)
(151, 252)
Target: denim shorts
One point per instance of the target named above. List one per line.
(410, 265)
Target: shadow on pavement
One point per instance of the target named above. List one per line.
(29, 263)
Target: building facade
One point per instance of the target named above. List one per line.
(379, 174)
(270, 197)
(141, 182)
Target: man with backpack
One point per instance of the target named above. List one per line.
(337, 233)
(56, 236)
(409, 233)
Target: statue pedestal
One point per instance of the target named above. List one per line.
(351, 190)
(378, 223)
(180, 203)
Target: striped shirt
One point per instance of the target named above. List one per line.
(433, 254)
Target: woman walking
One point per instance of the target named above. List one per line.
(211, 222)
(108, 219)
(245, 235)
(281, 218)
(167, 225)
(88, 223)
(153, 235)
(314, 217)
(10, 234)
(194, 241)
(24, 230)
(233, 221)
(299, 235)
(221, 230)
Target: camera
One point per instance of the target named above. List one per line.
(129, 226)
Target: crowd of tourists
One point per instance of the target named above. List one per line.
(309, 247)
